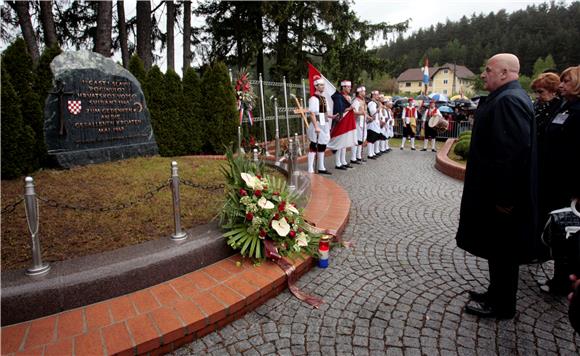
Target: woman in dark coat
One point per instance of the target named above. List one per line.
(562, 178)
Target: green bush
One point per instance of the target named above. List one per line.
(190, 111)
(18, 157)
(219, 114)
(462, 148)
(172, 119)
(137, 68)
(465, 133)
(155, 98)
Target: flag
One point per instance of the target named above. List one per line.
(343, 134)
(426, 72)
(329, 89)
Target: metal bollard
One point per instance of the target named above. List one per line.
(277, 130)
(32, 218)
(256, 155)
(286, 106)
(240, 148)
(298, 145)
(178, 235)
(295, 172)
(291, 165)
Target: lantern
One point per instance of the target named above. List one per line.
(324, 251)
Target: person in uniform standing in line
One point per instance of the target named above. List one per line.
(319, 128)
(342, 104)
(409, 124)
(430, 132)
(360, 111)
(374, 128)
(497, 219)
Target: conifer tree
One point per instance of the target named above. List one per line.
(19, 64)
(190, 111)
(137, 68)
(17, 137)
(220, 116)
(42, 86)
(154, 87)
(174, 124)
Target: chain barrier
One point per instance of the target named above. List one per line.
(201, 186)
(117, 207)
(9, 209)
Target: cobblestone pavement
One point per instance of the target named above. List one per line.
(401, 290)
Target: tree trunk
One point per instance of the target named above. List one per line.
(123, 33)
(104, 28)
(48, 26)
(170, 38)
(144, 33)
(186, 35)
(260, 41)
(21, 8)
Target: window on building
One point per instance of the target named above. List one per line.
(445, 81)
(445, 71)
(407, 84)
(444, 91)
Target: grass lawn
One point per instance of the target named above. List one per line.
(66, 233)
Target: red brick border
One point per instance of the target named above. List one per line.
(161, 318)
(446, 165)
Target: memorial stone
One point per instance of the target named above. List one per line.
(96, 112)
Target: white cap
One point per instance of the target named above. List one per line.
(345, 83)
(318, 80)
(375, 92)
(361, 88)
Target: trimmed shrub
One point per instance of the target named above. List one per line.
(18, 63)
(190, 111)
(155, 97)
(462, 148)
(137, 68)
(220, 113)
(18, 157)
(464, 133)
(172, 120)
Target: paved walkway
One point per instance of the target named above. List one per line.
(400, 291)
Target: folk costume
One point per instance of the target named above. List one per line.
(360, 108)
(374, 127)
(388, 127)
(430, 133)
(409, 116)
(342, 101)
(320, 117)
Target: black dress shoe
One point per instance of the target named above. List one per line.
(342, 168)
(477, 296)
(354, 162)
(402, 148)
(433, 150)
(373, 157)
(389, 149)
(412, 148)
(324, 172)
(483, 310)
(348, 166)
(423, 149)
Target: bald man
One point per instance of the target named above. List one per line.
(497, 218)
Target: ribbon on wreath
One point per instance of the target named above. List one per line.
(335, 237)
(288, 268)
(241, 111)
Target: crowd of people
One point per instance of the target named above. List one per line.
(524, 163)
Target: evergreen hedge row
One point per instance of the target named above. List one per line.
(190, 116)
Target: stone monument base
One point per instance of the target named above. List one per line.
(68, 159)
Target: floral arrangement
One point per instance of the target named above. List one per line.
(246, 96)
(260, 214)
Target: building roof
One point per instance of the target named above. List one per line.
(416, 74)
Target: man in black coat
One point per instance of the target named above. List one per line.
(498, 208)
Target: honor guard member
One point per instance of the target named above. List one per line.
(319, 129)
(387, 123)
(373, 126)
(342, 104)
(409, 124)
(430, 132)
(359, 107)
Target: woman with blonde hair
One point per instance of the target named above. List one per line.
(562, 167)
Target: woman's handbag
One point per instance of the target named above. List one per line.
(562, 235)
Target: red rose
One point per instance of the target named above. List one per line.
(276, 193)
(276, 217)
(282, 206)
(300, 229)
(259, 177)
(292, 234)
(258, 193)
(263, 233)
(249, 216)
(243, 192)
